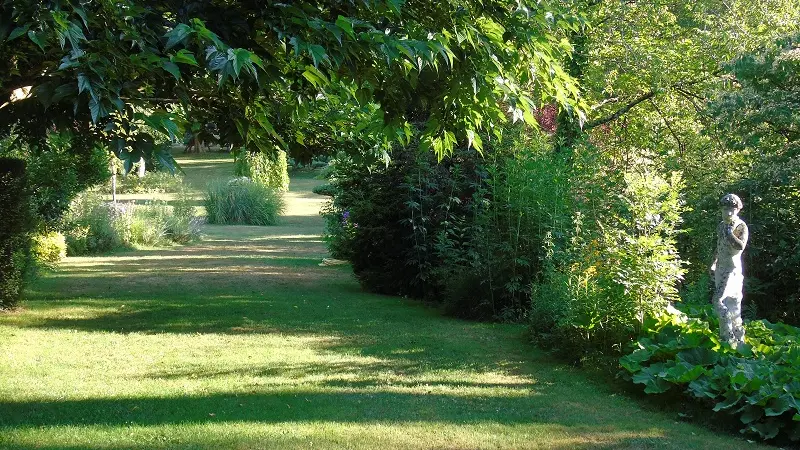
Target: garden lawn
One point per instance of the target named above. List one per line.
(242, 341)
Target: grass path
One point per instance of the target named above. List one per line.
(242, 341)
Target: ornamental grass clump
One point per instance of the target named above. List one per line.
(240, 201)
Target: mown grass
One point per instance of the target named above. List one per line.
(243, 341)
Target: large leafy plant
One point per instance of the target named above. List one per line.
(758, 383)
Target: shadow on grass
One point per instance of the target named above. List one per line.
(309, 407)
(381, 327)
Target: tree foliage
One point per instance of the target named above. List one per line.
(758, 118)
(106, 69)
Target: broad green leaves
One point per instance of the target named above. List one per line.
(756, 383)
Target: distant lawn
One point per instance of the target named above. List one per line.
(242, 341)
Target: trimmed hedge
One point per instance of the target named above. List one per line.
(15, 232)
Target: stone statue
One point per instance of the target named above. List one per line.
(732, 235)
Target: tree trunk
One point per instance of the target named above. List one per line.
(142, 169)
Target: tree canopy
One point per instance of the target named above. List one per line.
(115, 71)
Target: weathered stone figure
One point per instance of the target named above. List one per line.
(732, 237)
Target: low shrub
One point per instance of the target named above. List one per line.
(454, 231)
(149, 223)
(243, 202)
(759, 383)
(184, 225)
(327, 190)
(93, 225)
(268, 170)
(152, 182)
(49, 248)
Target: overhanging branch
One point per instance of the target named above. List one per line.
(617, 114)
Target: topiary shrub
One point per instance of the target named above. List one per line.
(325, 189)
(15, 241)
(269, 170)
(240, 201)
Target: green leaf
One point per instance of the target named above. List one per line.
(474, 139)
(751, 413)
(700, 356)
(75, 35)
(34, 37)
(317, 78)
(704, 387)
(97, 109)
(177, 35)
(171, 127)
(241, 58)
(127, 161)
(17, 32)
(767, 429)
(84, 84)
(184, 57)
(165, 158)
(255, 59)
(317, 54)
(346, 25)
(778, 406)
(80, 12)
(652, 381)
(731, 399)
(684, 372)
(172, 68)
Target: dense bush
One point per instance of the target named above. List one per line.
(584, 249)
(757, 119)
(758, 383)
(467, 232)
(15, 239)
(616, 261)
(156, 223)
(268, 170)
(241, 201)
(370, 223)
(49, 248)
(57, 171)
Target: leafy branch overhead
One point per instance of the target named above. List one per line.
(457, 68)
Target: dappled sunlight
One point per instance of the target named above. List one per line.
(242, 340)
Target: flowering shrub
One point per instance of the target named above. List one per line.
(93, 225)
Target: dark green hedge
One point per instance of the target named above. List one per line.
(15, 232)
